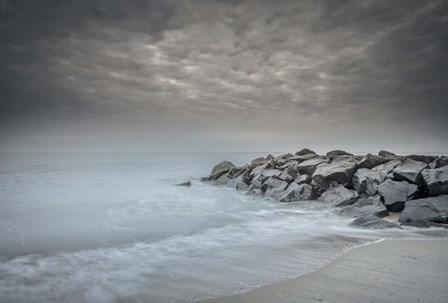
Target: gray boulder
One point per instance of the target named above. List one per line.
(337, 152)
(436, 181)
(258, 161)
(309, 166)
(409, 170)
(220, 169)
(387, 167)
(301, 179)
(370, 206)
(387, 154)
(298, 192)
(260, 168)
(370, 161)
(270, 157)
(340, 171)
(305, 151)
(422, 158)
(274, 187)
(373, 222)
(424, 212)
(366, 181)
(338, 195)
(395, 194)
(223, 179)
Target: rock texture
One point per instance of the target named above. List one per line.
(364, 187)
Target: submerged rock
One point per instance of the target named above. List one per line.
(188, 183)
(338, 195)
(364, 207)
(395, 194)
(373, 222)
(423, 212)
(340, 171)
(298, 192)
(409, 170)
(436, 181)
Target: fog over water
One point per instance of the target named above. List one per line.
(80, 227)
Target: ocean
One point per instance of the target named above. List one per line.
(114, 227)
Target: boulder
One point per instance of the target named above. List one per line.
(387, 167)
(274, 187)
(258, 161)
(387, 154)
(423, 212)
(409, 170)
(370, 161)
(370, 206)
(258, 169)
(373, 222)
(288, 175)
(337, 152)
(220, 169)
(436, 181)
(422, 158)
(305, 151)
(366, 181)
(441, 162)
(270, 157)
(188, 183)
(309, 166)
(298, 192)
(395, 194)
(338, 195)
(301, 179)
(223, 179)
(340, 171)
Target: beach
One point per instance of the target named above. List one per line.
(388, 271)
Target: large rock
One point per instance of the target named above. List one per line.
(338, 195)
(373, 222)
(298, 192)
(308, 167)
(260, 168)
(436, 181)
(220, 169)
(440, 162)
(337, 152)
(409, 170)
(387, 154)
(370, 206)
(422, 158)
(422, 212)
(340, 171)
(274, 187)
(301, 179)
(305, 151)
(395, 194)
(366, 181)
(370, 161)
(387, 167)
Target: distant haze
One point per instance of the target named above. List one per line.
(201, 75)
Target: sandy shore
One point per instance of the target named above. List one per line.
(389, 271)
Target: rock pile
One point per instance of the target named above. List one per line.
(364, 187)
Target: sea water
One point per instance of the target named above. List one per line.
(106, 227)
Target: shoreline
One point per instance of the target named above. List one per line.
(390, 270)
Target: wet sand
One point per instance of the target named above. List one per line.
(389, 271)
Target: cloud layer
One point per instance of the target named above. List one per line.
(205, 74)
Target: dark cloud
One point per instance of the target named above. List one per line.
(282, 72)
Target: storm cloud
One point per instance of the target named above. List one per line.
(223, 75)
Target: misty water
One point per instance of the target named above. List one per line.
(105, 227)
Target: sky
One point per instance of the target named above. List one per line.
(223, 75)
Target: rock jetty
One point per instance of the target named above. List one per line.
(366, 187)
